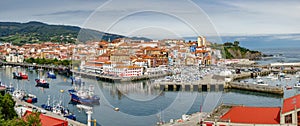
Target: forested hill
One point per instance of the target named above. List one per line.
(232, 50)
(36, 32)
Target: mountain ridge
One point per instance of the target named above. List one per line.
(37, 32)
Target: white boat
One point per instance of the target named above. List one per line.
(260, 81)
(274, 78)
(287, 78)
(19, 94)
(84, 107)
(258, 77)
(270, 76)
(263, 84)
(297, 85)
(281, 74)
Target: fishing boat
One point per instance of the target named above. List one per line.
(51, 75)
(19, 94)
(19, 75)
(58, 109)
(30, 98)
(10, 88)
(83, 96)
(62, 111)
(41, 83)
(76, 80)
(47, 106)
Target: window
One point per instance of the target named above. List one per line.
(288, 118)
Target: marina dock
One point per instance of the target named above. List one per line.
(208, 83)
(48, 113)
(254, 87)
(107, 78)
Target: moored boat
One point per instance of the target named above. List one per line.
(19, 75)
(19, 94)
(47, 106)
(281, 74)
(10, 88)
(297, 85)
(62, 111)
(76, 80)
(41, 83)
(83, 96)
(51, 75)
(30, 98)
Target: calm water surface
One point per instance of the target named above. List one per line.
(142, 105)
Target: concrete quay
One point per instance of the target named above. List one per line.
(50, 67)
(48, 113)
(208, 83)
(118, 79)
(255, 87)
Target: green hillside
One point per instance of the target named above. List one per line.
(37, 32)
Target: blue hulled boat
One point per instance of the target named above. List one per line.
(51, 75)
(83, 96)
(47, 106)
(58, 109)
(76, 80)
(30, 98)
(62, 111)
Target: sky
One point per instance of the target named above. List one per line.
(161, 18)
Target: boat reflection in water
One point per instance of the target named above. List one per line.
(140, 91)
(84, 96)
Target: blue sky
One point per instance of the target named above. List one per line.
(162, 18)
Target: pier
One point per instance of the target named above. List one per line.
(108, 78)
(48, 113)
(170, 86)
(208, 83)
(255, 87)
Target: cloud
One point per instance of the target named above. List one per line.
(68, 12)
(234, 17)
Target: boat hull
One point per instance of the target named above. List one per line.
(43, 84)
(52, 76)
(91, 100)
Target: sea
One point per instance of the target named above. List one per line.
(141, 104)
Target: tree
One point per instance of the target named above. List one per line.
(7, 107)
(236, 43)
(33, 119)
(228, 44)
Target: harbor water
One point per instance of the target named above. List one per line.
(140, 103)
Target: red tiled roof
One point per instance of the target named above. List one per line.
(253, 115)
(49, 121)
(289, 104)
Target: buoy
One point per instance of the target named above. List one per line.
(62, 91)
(117, 109)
